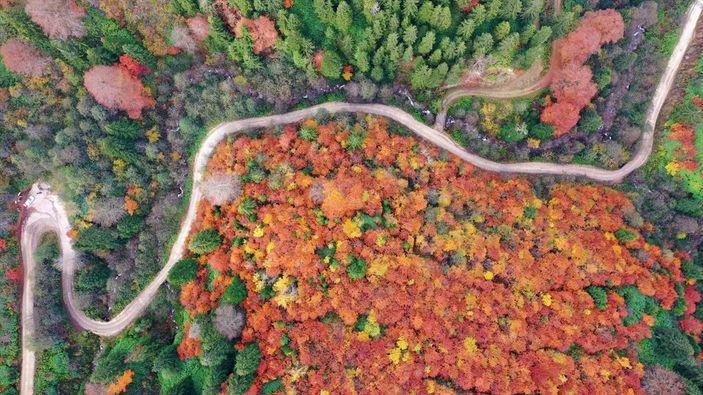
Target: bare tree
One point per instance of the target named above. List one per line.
(59, 19)
(229, 320)
(107, 211)
(221, 188)
(24, 58)
(658, 380)
(182, 38)
(317, 193)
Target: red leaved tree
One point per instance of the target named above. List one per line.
(114, 87)
(14, 274)
(573, 86)
(133, 66)
(59, 19)
(263, 33)
(24, 58)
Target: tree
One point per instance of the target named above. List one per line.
(533, 9)
(563, 116)
(410, 35)
(183, 272)
(331, 66)
(24, 58)
(672, 343)
(512, 133)
(247, 360)
(96, 238)
(574, 84)
(221, 188)
(466, 29)
(167, 360)
(511, 9)
(659, 380)
(115, 88)
(608, 23)
(541, 36)
(356, 267)
(502, 30)
(426, 44)
(205, 241)
(93, 277)
(229, 320)
(263, 33)
(108, 211)
(133, 66)
(59, 19)
(199, 27)
(235, 293)
(343, 17)
(238, 385)
(483, 44)
(129, 226)
(215, 349)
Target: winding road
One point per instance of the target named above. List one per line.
(47, 213)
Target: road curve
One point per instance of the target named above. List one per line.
(48, 214)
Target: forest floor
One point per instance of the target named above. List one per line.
(48, 214)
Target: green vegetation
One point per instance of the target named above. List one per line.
(64, 356)
(183, 272)
(125, 179)
(205, 241)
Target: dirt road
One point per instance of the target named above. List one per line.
(49, 215)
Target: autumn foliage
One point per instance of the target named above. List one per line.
(572, 84)
(262, 29)
(685, 153)
(24, 58)
(115, 88)
(375, 265)
(121, 383)
(134, 67)
(14, 274)
(59, 19)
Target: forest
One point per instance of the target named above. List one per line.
(107, 101)
(346, 258)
